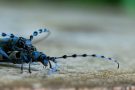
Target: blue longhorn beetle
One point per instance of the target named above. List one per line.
(36, 56)
(14, 43)
(22, 51)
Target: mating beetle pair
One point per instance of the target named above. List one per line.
(19, 50)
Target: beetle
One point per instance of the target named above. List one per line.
(19, 50)
(19, 57)
(13, 43)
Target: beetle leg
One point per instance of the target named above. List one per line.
(30, 65)
(50, 64)
(4, 54)
(21, 66)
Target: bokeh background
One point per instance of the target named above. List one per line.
(104, 27)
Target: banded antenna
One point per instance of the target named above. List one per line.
(7, 35)
(83, 55)
(40, 31)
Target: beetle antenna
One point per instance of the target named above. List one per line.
(83, 55)
(40, 31)
(7, 35)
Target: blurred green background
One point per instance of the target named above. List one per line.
(127, 6)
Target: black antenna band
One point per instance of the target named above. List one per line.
(83, 55)
(36, 33)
